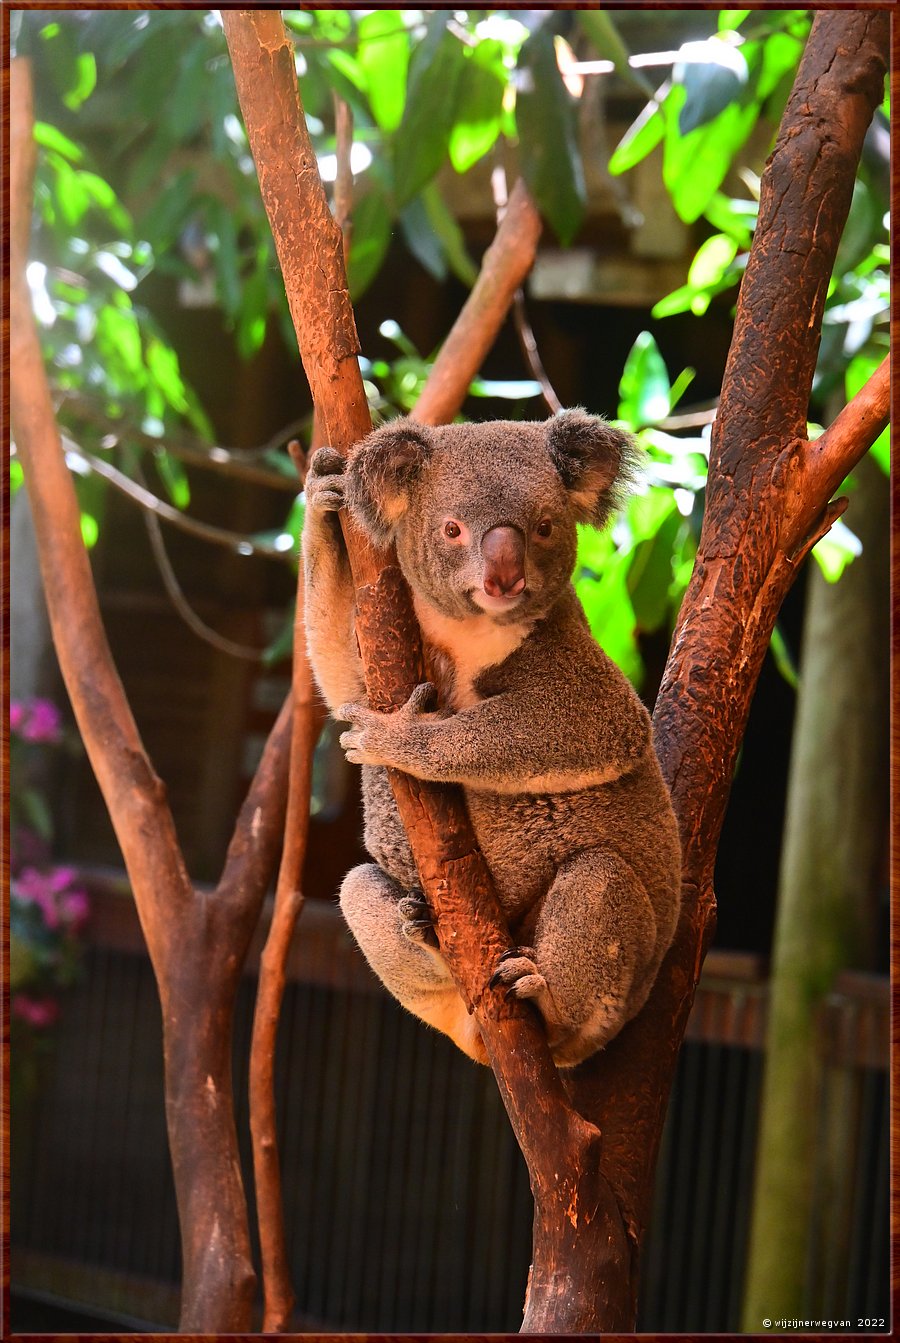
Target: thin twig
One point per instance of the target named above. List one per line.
(524, 331)
(528, 346)
(177, 596)
(237, 462)
(234, 541)
(343, 181)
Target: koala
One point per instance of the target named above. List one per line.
(546, 737)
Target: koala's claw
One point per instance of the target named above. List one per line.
(518, 971)
(417, 923)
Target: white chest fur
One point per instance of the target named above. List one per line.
(470, 645)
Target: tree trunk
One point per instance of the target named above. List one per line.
(834, 834)
(197, 943)
(767, 504)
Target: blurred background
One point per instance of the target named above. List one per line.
(642, 136)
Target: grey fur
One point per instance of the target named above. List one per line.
(545, 735)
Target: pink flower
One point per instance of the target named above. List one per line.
(75, 908)
(16, 715)
(38, 888)
(38, 1012)
(44, 722)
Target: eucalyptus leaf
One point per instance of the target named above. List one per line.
(481, 89)
(548, 144)
(641, 138)
(369, 240)
(709, 85)
(448, 232)
(644, 388)
(383, 56)
(421, 141)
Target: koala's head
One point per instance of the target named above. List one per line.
(483, 515)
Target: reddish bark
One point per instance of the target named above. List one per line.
(584, 1273)
(767, 503)
(197, 943)
(454, 876)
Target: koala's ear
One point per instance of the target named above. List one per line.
(380, 471)
(596, 461)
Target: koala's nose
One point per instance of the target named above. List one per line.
(503, 552)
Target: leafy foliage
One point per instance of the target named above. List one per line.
(174, 192)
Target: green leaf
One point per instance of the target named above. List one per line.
(371, 236)
(648, 512)
(37, 812)
(252, 314)
(604, 595)
(650, 573)
(119, 339)
(859, 371)
(383, 56)
(163, 367)
(173, 476)
(16, 475)
(548, 144)
(443, 223)
(421, 238)
(85, 80)
(680, 386)
(733, 216)
(711, 261)
(170, 209)
(641, 138)
(784, 659)
(837, 548)
(89, 530)
(224, 229)
(694, 165)
(480, 105)
(608, 44)
(644, 388)
(72, 197)
(420, 143)
(729, 19)
(50, 137)
(709, 85)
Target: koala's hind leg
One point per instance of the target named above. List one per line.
(394, 933)
(594, 957)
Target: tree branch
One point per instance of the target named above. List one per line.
(762, 474)
(151, 503)
(560, 1147)
(196, 943)
(506, 263)
(308, 717)
(237, 462)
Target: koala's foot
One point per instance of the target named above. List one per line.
(518, 970)
(377, 908)
(416, 921)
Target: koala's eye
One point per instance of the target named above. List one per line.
(544, 527)
(452, 530)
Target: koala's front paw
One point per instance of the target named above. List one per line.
(324, 483)
(416, 921)
(385, 738)
(518, 971)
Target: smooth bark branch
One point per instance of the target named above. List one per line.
(506, 263)
(196, 943)
(559, 1145)
(308, 716)
(767, 502)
